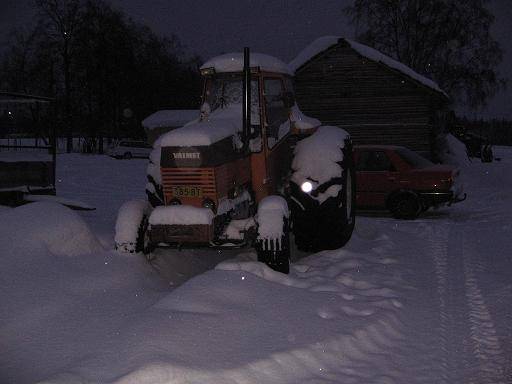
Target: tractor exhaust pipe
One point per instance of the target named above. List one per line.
(246, 102)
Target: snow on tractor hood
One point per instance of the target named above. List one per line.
(220, 124)
(234, 62)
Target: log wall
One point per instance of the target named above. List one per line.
(374, 103)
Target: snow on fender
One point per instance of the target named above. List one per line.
(317, 160)
(128, 224)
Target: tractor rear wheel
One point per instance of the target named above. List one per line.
(328, 225)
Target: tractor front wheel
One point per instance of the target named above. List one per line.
(273, 240)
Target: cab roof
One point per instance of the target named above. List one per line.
(234, 62)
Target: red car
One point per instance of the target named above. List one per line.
(400, 180)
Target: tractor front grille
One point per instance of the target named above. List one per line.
(181, 178)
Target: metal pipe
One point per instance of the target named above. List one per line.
(246, 102)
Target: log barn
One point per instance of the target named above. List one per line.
(377, 99)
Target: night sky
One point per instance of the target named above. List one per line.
(280, 28)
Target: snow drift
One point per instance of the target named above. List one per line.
(62, 231)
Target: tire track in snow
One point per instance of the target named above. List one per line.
(439, 249)
(486, 345)
(470, 348)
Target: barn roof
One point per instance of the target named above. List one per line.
(323, 43)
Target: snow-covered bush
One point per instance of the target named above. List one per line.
(129, 219)
(452, 151)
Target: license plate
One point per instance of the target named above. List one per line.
(186, 191)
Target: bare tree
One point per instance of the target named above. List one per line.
(60, 19)
(449, 41)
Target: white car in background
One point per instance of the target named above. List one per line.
(128, 149)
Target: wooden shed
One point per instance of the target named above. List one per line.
(377, 99)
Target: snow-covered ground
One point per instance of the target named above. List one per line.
(424, 301)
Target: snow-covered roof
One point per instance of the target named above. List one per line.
(170, 118)
(323, 43)
(234, 62)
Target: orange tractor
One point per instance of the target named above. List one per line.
(251, 169)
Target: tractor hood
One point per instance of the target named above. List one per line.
(208, 141)
(207, 130)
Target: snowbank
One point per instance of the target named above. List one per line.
(323, 43)
(62, 231)
(128, 222)
(180, 215)
(169, 118)
(308, 165)
(234, 62)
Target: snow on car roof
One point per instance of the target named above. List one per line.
(234, 62)
(323, 43)
(170, 118)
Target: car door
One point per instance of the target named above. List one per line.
(376, 178)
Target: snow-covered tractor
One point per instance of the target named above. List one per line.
(249, 170)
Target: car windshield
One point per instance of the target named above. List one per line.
(413, 159)
(224, 91)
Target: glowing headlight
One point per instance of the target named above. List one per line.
(307, 186)
(207, 203)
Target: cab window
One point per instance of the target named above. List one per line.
(374, 161)
(276, 112)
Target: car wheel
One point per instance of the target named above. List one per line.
(127, 155)
(406, 206)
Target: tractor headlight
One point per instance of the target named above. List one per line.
(307, 186)
(208, 203)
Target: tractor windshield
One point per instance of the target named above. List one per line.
(226, 91)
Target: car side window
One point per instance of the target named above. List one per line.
(374, 161)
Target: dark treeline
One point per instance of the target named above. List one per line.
(105, 71)
(497, 132)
